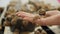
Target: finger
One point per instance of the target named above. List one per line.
(20, 12)
(28, 19)
(25, 14)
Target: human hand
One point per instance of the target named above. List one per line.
(30, 17)
(27, 16)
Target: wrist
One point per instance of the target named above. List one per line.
(36, 17)
(40, 22)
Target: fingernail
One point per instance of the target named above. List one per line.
(19, 15)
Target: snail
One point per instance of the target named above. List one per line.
(16, 22)
(40, 31)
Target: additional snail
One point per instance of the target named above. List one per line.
(30, 7)
(40, 31)
(42, 11)
(0, 27)
(1, 10)
(10, 11)
(16, 31)
(59, 8)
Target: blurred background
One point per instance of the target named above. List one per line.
(13, 6)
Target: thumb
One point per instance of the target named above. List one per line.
(51, 13)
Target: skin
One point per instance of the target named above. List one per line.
(53, 18)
